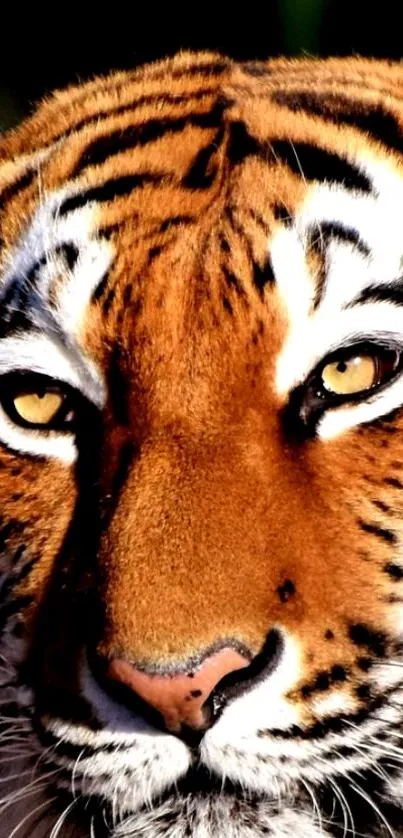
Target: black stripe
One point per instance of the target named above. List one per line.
(226, 303)
(282, 213)
(112, 87)
(374, 120)
(126, 457)
(202, 171)
(374, 641)
(156, 251)
(108, 301)
(11, 191)
(70, 254)
(385, 535)
(381, 505)
(320, 730)
(210, 68)
(123, 139)
(224, 244)
(318, 164)
(175, 221)
(391, 293)
(393, 599)
(239, 231)
(393, 481)
(319, 236)
(256, 69)
(304, 159)
(394, 570)
(114, 188)
(15, 298)
(131, 107)
(263, 276)
(260, 221)
(232, 280)
(242, 144)
(101, 287)
(67, 250)
(327, 230)
(205, 68)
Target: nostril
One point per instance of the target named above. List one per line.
(179, 697)
(260, 667)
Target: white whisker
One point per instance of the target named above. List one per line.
(30, 814)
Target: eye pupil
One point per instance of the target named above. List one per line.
(342, 366)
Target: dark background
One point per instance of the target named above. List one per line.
(51, 46)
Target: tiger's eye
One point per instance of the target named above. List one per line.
(351, 375)
(38, 408)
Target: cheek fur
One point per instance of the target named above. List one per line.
(37, 502)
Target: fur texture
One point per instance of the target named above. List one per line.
(183, 248)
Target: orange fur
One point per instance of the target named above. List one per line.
(217, 508)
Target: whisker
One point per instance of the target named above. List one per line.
(26, 818)
(315, 805)
(61, 820)
(360, 791)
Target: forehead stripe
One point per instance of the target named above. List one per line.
(315, 163)
(18, 296)
(376, 121)
(124, 139)
(319, 236)
(149, 99)
(391, 293)
(114, 188)
(304, 159)
(326, 231)
(21, 183)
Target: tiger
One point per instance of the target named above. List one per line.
(201, 453)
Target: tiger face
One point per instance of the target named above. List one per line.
(201, 361)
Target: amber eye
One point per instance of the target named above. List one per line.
(351, 375)
(356, 373)
(36, 401)
(38, 408)
(347, 376)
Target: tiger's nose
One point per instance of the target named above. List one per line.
(179, 697)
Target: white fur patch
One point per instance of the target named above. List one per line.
(313, 334)
(41, 242)
(57, 299)
(213, 817)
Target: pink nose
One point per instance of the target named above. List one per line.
(179, 697)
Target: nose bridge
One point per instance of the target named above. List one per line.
(187, 549)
